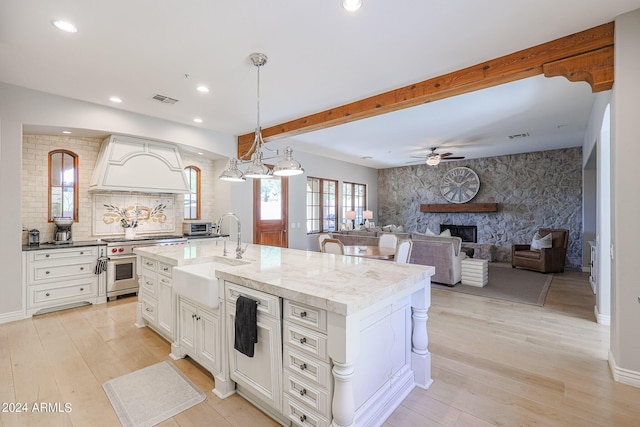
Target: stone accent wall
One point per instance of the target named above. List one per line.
(533, 190)
(35, 182)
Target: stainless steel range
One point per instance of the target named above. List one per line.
(122, 277)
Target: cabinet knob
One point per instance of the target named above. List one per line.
(303, 392)
(82, 289)
(303, 366)
(303, 340)
(47, 294)
(303, 418)
(193, 316)
(47, 255)
(197, 317)
(46, 272)
(303, 314)
(81, 268)
(81, 253)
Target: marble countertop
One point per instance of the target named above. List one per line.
(337, 283)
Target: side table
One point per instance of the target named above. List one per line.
(475, 272)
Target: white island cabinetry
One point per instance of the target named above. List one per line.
(198, 334)
(341, 340)
(156, 302)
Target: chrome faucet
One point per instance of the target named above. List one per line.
(239, 250)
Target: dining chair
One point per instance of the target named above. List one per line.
(403, 251)
(388, 240)
(333, 246)
(321, 237)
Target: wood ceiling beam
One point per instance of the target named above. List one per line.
(584, 56)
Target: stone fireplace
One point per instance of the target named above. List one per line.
(468, 233)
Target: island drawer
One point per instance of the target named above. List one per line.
(267, 304)
(149, 263)
(305, 315)
(148, 283)
(150, 310)
(302, 416)
(305, 340)
(307, 367)
(308, 393)
(164, 268)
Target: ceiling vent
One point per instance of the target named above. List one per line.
(519, 135)
(164, 99)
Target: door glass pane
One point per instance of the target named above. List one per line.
(270, 190)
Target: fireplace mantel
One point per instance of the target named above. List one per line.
(463, 207)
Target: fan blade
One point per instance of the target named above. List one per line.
(453, 158)
(445, 155)
(419, 157)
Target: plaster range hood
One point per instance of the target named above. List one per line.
(133, 164)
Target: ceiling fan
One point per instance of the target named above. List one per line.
(433, 158)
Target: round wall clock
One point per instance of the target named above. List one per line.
(459, 185)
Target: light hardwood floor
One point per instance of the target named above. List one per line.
(494, 363)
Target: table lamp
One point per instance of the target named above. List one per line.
(367, 216)
(351, 215)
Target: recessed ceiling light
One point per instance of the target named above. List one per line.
(115, 99)
(67, 132)
(65, 26)
(351, 5)
(200, 154)
(197, 120)
(202, 89)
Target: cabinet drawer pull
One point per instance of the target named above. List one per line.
(303, 418)
(303, 366)
(46, 272)
(81, 268)
(303, 340)
(82, 289)
(47, 255)
(303, 314)
(81, 253)
(303, 392)
(47, 294)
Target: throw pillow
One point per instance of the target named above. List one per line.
(539, 242)
(446, 233)
(428, 232)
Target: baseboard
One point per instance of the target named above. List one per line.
(624, 376)
(602, 319)
(12, 317)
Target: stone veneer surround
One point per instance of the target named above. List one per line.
(533, 190)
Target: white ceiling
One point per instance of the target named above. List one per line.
(320, 56)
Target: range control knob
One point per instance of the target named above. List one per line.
(121, 250)
(114, 250)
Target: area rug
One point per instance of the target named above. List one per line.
(151, 395)
(510, 284)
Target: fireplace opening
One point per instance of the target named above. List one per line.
(468, 233)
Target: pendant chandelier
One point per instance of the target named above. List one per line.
(286, 165)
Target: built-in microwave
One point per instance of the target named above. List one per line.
(196, 228)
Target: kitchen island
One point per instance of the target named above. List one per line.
(341, 340)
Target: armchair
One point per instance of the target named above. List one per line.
(545, 260)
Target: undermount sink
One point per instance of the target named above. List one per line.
(199, 283)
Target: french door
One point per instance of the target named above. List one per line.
(270, 211)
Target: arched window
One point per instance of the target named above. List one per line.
(192, 199)
(63, 184)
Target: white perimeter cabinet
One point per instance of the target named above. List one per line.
(62, 278)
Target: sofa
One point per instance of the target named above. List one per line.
(441, 252)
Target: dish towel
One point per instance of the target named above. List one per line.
(246, 325)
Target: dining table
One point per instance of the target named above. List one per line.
(375, 252)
